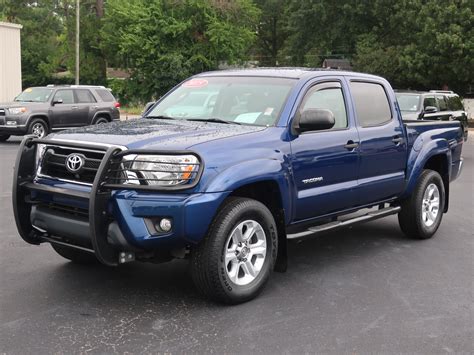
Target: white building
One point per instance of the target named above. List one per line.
(10, 61)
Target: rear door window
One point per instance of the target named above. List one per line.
(371, 103)
(84, 96)
(455, 103)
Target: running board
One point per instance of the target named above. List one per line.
(370, 216)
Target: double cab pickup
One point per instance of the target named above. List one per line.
(228, 166)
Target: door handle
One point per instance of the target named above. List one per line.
(397, 140)
(74, 107)
(351, 145)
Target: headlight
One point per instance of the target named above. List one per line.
(17, 110)
(159, 170)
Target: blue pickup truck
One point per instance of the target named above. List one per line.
(228, 166)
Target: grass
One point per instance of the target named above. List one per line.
(132, 109)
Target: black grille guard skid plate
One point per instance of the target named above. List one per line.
(23, 182)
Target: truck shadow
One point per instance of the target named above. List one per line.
(169, 285)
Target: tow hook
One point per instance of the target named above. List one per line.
(126, 257)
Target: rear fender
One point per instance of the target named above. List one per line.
(417, 161)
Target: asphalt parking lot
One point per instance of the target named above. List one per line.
(361, 290)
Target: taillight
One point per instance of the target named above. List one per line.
(117, 104)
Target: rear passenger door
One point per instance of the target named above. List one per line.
(382, 149)
(85, 103)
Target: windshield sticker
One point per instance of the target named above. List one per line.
(195, 83)
(29, 90)
(268, 111)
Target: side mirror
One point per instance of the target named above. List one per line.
(431, 109)
(147, 107)
(57, 101)
(314, 120)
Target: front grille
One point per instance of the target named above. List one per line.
(54, 164)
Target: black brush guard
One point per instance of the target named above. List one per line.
(23, 182)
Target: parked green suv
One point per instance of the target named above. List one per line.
(40, 110)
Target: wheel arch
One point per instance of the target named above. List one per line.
(41, 116)
(104, 114)
(434, 156)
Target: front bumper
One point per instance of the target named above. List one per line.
(107, 221)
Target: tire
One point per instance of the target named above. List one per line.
(38, 127)
(4, 137)
(230, 280)
(414, 221)
(75, 255)
(101, 120)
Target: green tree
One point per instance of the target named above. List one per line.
(420, 44)
(164, 41)
(271, 31)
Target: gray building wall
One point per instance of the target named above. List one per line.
(10, 61)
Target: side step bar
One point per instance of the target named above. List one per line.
(370, 216)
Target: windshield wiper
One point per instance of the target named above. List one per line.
(216, 120)
(25, 101)
(161, 117)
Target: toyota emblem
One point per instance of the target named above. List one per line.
(75, 162)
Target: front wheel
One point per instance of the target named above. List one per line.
(38, 128)
(235, 259)
(422, 212)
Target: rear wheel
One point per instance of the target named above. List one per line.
(234, 261)
(101, 120)
(77, 256)
(422, 212)
(4, 137)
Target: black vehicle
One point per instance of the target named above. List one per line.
(433, 105)
(40, 110)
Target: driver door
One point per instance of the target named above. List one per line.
(325, 162)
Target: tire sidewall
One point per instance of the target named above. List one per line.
(431, 177)
(259, 213)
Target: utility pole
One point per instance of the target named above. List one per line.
(78, 16)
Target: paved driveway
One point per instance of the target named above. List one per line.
(362, 290)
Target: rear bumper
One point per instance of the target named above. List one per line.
(108, 221)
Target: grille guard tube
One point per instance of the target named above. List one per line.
(98, 221)
(23, 173)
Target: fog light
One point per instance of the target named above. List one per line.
(166, 225)
(11, 123)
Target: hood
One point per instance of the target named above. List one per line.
(155, 133)
(21, 104)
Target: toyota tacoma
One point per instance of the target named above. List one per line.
(228, 166)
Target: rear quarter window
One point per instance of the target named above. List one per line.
(371, 103)
(105, 95)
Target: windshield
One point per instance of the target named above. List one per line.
(408, 102)
(243, 100)
(34, 95)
